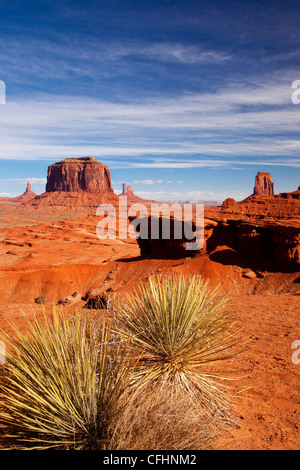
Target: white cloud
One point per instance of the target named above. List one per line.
(147, 181)
(8, 194)
(229, 127)
(191, 195)
(32, 180)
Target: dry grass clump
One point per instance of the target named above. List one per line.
(77, 383)
(164, 419)
(64, 384)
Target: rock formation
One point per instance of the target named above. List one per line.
(27, 196)
(131, 197)
(79, 174)
(124, 192)
(264, 185)
(127, 192)
(229, 203)
(280, 206)
(257, 244)
(74, 186)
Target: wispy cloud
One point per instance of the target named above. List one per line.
(147, 181)
(253, 121)
(86, 57)
(4, 194)
(191, 195)
(32, 180)
(243, 125)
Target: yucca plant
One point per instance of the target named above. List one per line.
(63, 384)
(180, 329)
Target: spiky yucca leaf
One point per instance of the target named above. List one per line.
(63, 385)
(180, 328)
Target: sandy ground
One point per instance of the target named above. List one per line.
(59, 257)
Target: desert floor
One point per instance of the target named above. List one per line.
(57, 257)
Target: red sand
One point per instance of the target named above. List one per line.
(56, 257)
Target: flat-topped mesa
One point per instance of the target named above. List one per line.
(264, 185)
(79, 174)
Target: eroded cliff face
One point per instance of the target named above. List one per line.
(255, 244)
(79, 174)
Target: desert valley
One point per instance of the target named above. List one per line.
(51, 255)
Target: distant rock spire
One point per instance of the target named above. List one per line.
(264, 185)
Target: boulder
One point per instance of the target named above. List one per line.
(249, 274)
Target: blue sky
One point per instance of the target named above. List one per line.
(186, 100)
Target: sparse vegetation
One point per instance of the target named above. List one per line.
(41, 299)
(142, 383)
(178, 328)
(63, 384)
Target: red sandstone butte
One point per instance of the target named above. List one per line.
(79, 174)
(131, 197)
(264, 185)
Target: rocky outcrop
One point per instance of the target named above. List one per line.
(131, 197)
(28, 195)
(229, 203)
(79, 174)
(278, 207)
(256, 244)
(264, 185)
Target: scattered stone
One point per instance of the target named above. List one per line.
(249, 274)
(70, 299)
